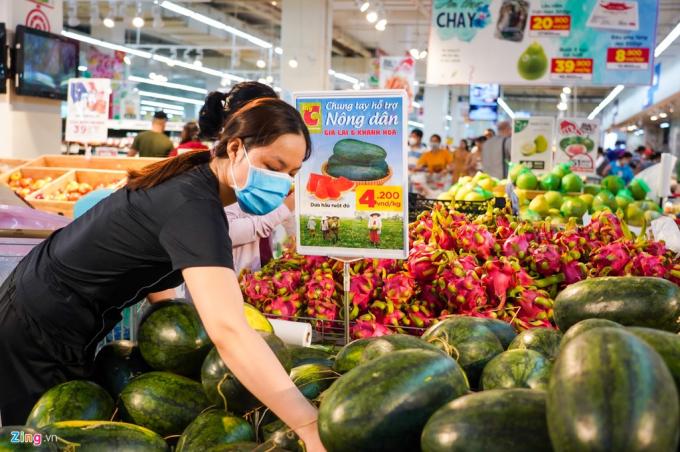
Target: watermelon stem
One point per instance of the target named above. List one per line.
(219, 389)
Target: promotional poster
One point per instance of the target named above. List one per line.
(87, 110)
(398, 73)
(351, 195)
(577, 142)
(542, 42)
(532, 142)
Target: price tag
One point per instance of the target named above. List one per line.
(571, 69)
(550, 26)
(627, 58)
(379, 198)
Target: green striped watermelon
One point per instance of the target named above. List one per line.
(383, 404)
(610, 391)
(172, 338)
(19, 438)
(221, 385)
(585, 325)
(666, 344)
(162, 401)
(383, 345)
(278, 434)
(100, 436)
(349, 356)
(467, 340)
(507, 420)
(213, 429)
(73, 400)
(313, 379)
(503, 330)
(546, 341)
(517, 369)
(116, 364)
(309, 355)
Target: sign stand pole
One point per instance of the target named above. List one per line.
(346, 280)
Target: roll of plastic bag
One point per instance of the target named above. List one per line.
(293, 333)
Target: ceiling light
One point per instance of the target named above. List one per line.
(278, 50)
(414, 53)
(138, 22)
(262, 80)
(293, 63)
(416, 83)
(665, 125)
(277, 89)
(632, 127)
(127, 60)
(423, 54)
(225, 82)
(270, 79)
(380, 26)
(416, 124)
(606, 101)
(274, 3)
(261, 64)
(566, 90)
(654, 118)
(364, 7)
(449, 118)
(345, 77)
(153, 103)
(198, 62)
(416, 104)
(667, 41)
(109, 22)
(372, 17)
(663, 115)
(563, 96)
(356, 86)
(214, 23)
(185, 100)
(506, 108)
(82, 68)
(562, 106)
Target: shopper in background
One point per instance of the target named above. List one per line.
(621, 167)
(461, 164)
(165, 226)
(475, 157)
(437, 159)
(416, 148)
(650, 158)
(638, 156)
(601, 163)
(154, 142)
(488, 133)
(496, 152)
(188, 140)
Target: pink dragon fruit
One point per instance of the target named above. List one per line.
(287, 282)
(504, 228)
(573, 271)
(476, 239)
(321, 285)
(431, 296)
(646, 264)
(398, 288)
(535, 308)
(361, 291)
(545, 259)
(424, 262)
(285, 306)
(610, 260)
(418, 315)
(463, 290)
(605, 227)
(367, 326)
(517, 245)
(655, 248)
(394, 319)
(257, 289)
(499, 277)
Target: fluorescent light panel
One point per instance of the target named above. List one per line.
(215, 24)
(416, 124)
(153, 103)
(185, 100)
(193, 89)
(667, 41)
(506, 108)
(606, 101)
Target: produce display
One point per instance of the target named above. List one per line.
(494, 266)
(73, 191)
(24, 186)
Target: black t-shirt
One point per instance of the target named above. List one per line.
(132, 243)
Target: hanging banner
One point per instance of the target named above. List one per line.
(351, 195)
(532, 141)
(105, 63)
(87, 110)
(577, 142)
(398, 73)
(555, 42)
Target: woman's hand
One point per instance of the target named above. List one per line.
(218, 299)
(290, 201)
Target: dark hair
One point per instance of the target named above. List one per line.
(259, 123)
(160, 115)
(467, 146)
(640, 149)
(418, 133)
(189, 132)
(481, 139)
(219, 106)
(626, 155)
(434, 135)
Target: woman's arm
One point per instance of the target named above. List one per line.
(219, 302)
(250, 228)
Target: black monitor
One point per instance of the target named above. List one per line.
(44, 63)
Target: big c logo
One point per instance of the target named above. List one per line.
(312, 115)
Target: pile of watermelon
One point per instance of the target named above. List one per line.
(170, 390)
(606, 380)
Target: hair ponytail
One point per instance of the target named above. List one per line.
(259, 123)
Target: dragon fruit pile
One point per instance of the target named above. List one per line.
(493, 266)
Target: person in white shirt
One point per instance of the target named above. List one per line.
(311, 227)
(374, 229)
(415, 148)
(324, 227)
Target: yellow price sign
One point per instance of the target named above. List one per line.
(382, 198)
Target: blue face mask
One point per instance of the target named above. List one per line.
(264, 190)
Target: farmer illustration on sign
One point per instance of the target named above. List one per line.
(334, 229)
(374, 229)
(311, 227)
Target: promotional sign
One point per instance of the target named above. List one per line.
(105, 63)
(398, 73)
(87, 110)
(542, 42)
(577, 142)
(351, 195)
(532, 141)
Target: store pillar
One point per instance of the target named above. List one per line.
(435, 108)
(29, 126)
(306, 32)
